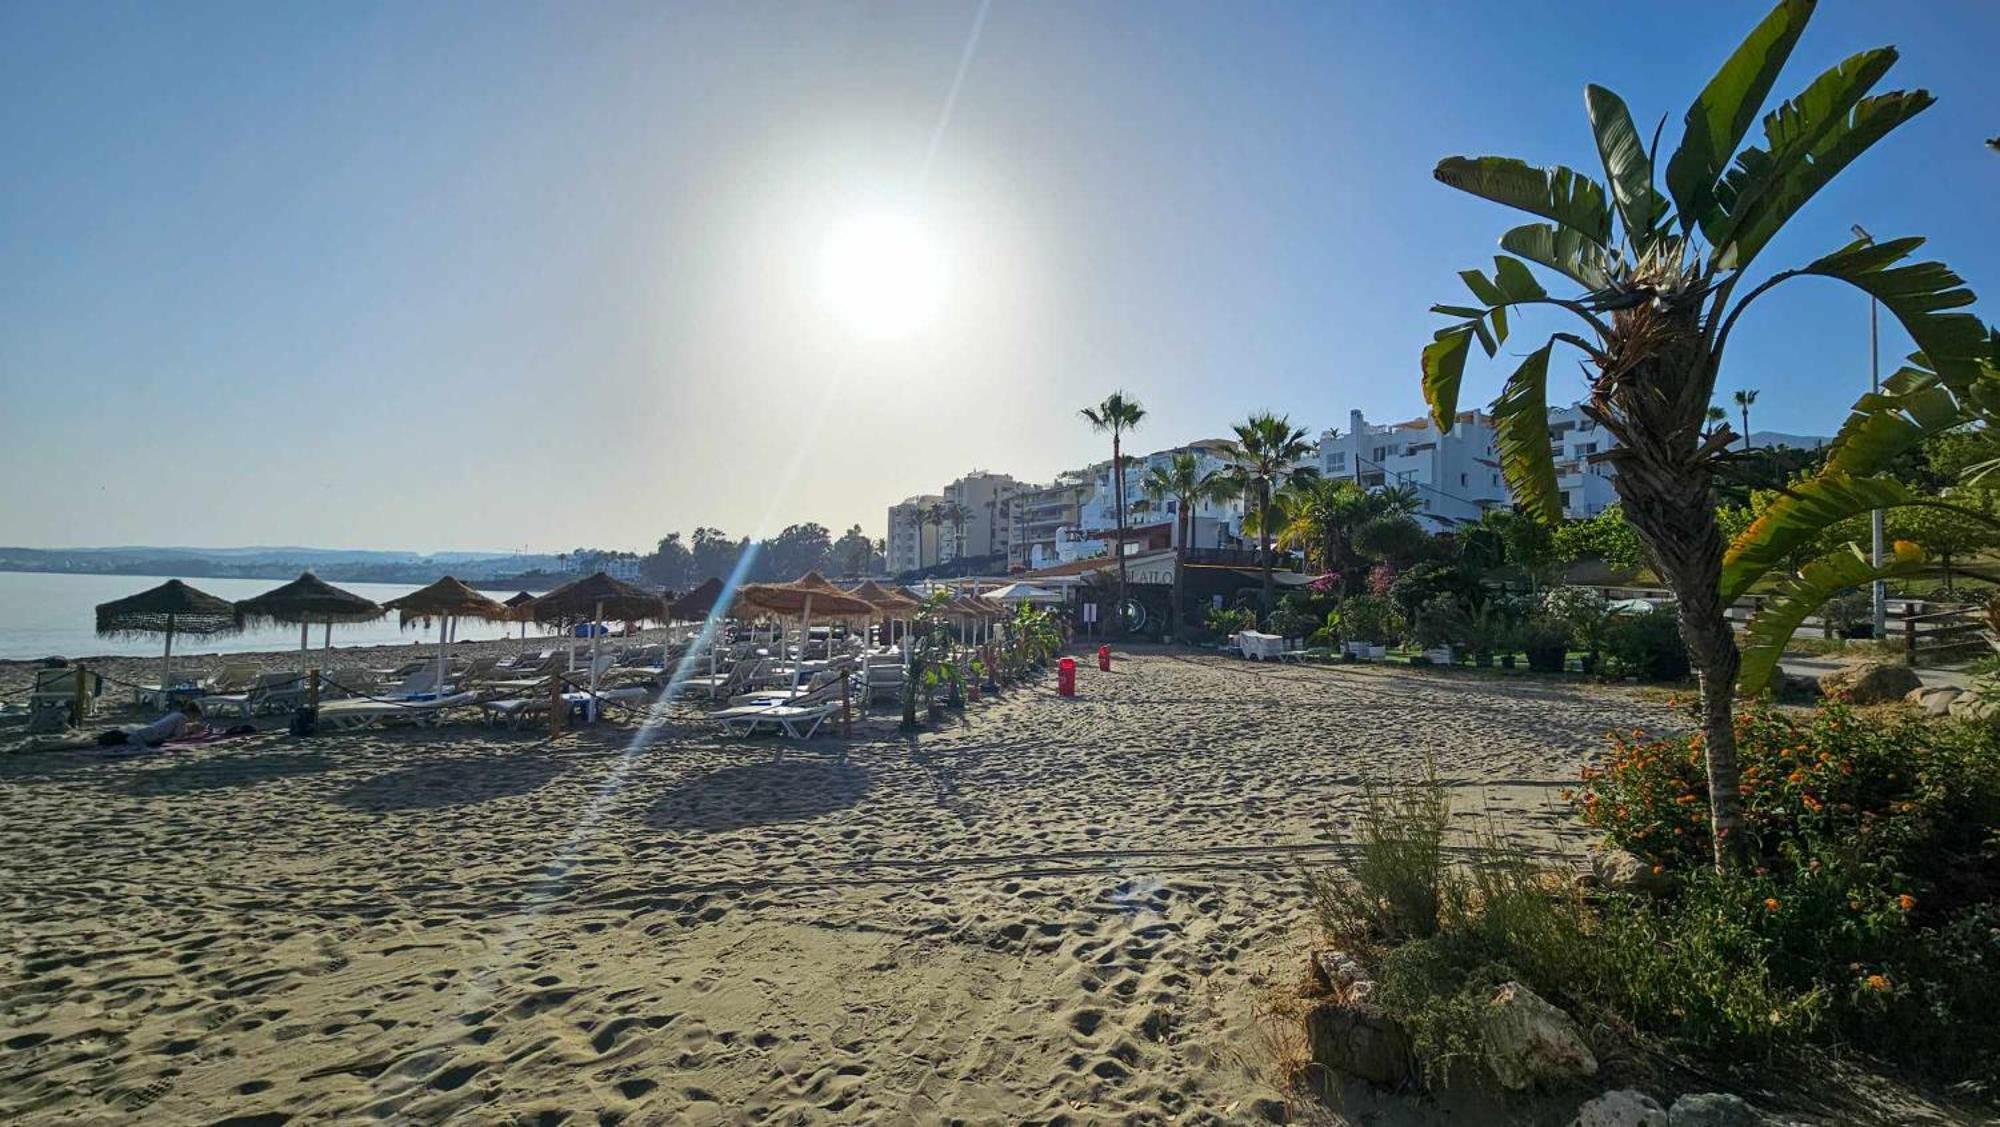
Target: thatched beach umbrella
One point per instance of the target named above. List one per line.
(590, 599)
(446, 600)
(698, 604)
(800, 598)
(892, 604)
(308, 600)
(515, 604)
(171, 608)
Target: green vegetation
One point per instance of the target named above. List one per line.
(1865, 917)
(1657, 277)
(1183, 481)
(1267, 456)
(1116, 415)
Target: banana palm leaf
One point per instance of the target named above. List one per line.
(1919, 296)
(1444, 369)
(1881, 426)
(1561, 194)
(1725, 110)
(1777, 187)
(1772, 627)
(1627, 167)
(1797, 518)
(1563, 250)
(1521, 431)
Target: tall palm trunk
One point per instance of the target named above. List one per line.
(1746, 426)
(1668, 503)
(1264, 544)
(1176, 615)
(1118, 499)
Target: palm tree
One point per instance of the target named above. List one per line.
(1744, 398)
(1117, 414)
(1189, 485)
(1657, 277)
(933, 515)
(1267, 455)
(1319, 516)
(955, 515)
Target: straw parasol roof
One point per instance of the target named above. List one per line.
(308, 599)
(516, 602)
(811, 590)
(888, 600)
(698, 603)
(447, 598)
(172, 607)
(595, 597)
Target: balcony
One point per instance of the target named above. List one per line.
(1239, 557)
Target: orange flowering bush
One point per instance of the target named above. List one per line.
(1872, 883)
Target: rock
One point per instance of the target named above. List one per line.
(1270, 1110)
(1526, 1040)
(1869, 682)
(1712, 1109)
(1795, 687)
(1337, 970)
(1933, 700)
(1976, 707)
(1360, 1041)
(1626, 1107)
(1619, 871)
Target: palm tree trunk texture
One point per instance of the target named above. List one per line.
(1670, 507)
(1179, 609)
(1264, 543)
(1118, 499)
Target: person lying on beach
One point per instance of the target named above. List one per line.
(182, 723)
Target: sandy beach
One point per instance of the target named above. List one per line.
(1047, 909)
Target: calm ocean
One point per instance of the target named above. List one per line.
(46, 613)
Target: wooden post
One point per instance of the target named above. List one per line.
(312, 688)
(846, 712)
(82, 692)
(555, 705)
(1909, 639)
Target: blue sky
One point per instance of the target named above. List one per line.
(507, 275)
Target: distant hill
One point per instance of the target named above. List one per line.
(335, 564)
(1780, 438)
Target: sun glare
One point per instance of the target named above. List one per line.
(882, 275)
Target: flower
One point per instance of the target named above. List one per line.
(1877, 983)
(1770, 903)
(1906, 902)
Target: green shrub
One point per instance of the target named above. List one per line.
(1398, 886)
(1367, 618)
(1547, 644)
(1646, 646)
(1440, 622)
(1294, 617)
(1869, 903)
(1224, 621)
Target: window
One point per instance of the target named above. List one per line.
(1337, 458)
(1462, 480)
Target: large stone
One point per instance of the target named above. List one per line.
(1620, 871)
(1869, 682)
(1933, 700)
(1626, 1107)
(1712, 1109)
(1975, 706)
(1360, 1041)
(1526, 1040)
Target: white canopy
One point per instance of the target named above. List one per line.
(1021, 593)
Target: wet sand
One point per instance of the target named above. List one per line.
(1045, 908)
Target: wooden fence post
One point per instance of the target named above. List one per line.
(82, 693)
(1910, 639)
(312, 688)
(846, 712)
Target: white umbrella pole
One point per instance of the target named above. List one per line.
(167, 662)
(305, 644)
(443, 626)
(329, 635)
(596, 629)
(805, 635)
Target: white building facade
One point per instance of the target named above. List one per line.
(1215, 523)
(913, 538)
(1457, 476)
(982, 500)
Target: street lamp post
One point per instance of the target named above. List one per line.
(1879, 589)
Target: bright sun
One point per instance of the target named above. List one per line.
(881, 274)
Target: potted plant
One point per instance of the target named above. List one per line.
(1439, 625)
(1547, 644)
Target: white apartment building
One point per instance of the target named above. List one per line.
(983, 502)
(913, 539)
(1215, 524)
(1586, 485)
(1457, 476)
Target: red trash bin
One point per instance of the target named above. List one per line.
(1104, 658)
(1066, 677)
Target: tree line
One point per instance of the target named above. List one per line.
(710, 553)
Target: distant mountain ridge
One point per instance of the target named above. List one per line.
(355, 565)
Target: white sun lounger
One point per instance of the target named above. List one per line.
(518, 710)
(344, 714)
(800, 722)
